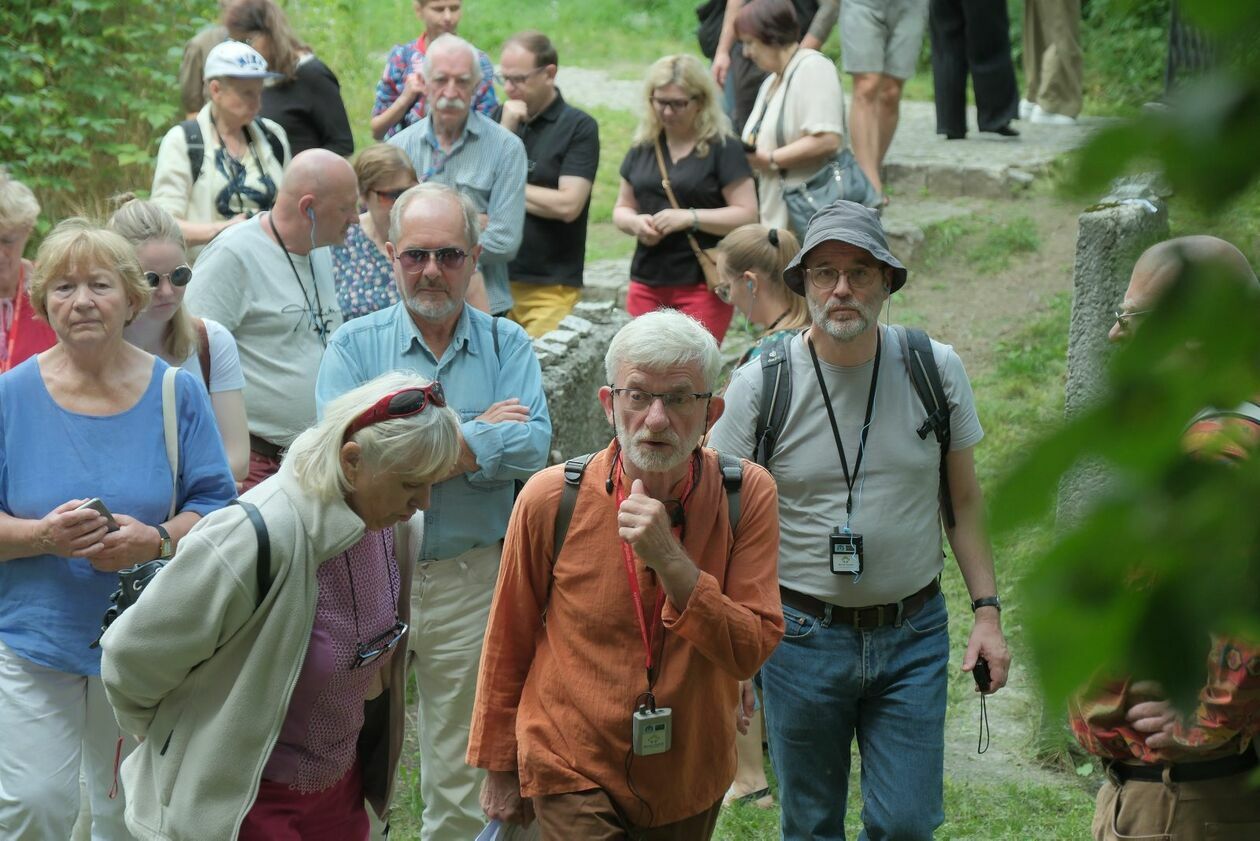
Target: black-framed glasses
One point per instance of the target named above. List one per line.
(504, 79)
(672, 104)
(414, 260)
(399, 404)
(367, 652)
(178, 276)
(858, 277)
(638, 400)
(1130, 320)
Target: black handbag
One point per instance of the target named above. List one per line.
(838, 178)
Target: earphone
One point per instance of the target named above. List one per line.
(310, 214)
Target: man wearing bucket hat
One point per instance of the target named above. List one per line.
(866, 647)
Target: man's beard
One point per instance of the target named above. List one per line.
(847, 330)
(430, 310)
(651, 460)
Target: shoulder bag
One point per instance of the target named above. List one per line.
(838, 178)
(704, 256)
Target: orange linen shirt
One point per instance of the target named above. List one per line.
(555, 697)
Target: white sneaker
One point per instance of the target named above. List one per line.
(1026, 109)
(1049, 118)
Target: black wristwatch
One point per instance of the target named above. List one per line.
(987, 601)
(166, 549)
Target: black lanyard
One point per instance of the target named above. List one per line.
(318, 322)
(835, 429)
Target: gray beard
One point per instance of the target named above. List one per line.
(841, 331)
(431, 312)
(648, 460)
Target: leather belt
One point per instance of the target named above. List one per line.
(265, 448)
(1185, 772)
(861, 618)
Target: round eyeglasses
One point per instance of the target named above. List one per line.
(178, 276)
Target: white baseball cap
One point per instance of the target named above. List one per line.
(238, 61)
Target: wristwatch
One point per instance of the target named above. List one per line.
(166, 549)
(987, 601)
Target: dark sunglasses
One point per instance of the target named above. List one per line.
(366, 652)
(178, 276)
(415, 259)
(400, 404)
(391, 195)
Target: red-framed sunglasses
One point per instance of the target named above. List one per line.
(399, 404)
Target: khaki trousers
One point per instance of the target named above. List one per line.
(540, 308)
(1227, 809)
(1052, 55)
(592, 816)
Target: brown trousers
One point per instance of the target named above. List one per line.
(592, 816)
(1052, 55)
(1227, 809)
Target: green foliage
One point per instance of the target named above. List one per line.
(87, 86)
(1125, 43)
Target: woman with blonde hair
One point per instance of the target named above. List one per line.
(272, 710)
(202, 347)
(684, 184)
(88, 486)
(362, 272)
(22, 334)
(306, 100)
(751, 260)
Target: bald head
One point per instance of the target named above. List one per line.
(318, 196)
(1163, 264)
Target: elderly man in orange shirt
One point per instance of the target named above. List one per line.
(638, 587)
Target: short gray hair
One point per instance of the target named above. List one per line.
(450, 41)
(423, 447)
(430, 190)
(664, 339)
(18, 205)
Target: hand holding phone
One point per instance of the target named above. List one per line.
(111, 525)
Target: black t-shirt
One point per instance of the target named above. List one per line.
(310, 110)
(562, 140)
(698, 183)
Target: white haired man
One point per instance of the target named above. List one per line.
(656, 636)
(459, 146)
(492, 379)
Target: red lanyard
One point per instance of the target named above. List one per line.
(632, 576)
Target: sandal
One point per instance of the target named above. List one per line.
(760, 799)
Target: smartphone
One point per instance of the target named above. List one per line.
(95, 504)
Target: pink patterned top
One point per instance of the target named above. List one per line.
(357, 603)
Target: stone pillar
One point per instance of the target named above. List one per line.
(572, 360)
(1109, 239)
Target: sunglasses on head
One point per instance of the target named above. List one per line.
(178, 276)
(415, 259)
(400, 404)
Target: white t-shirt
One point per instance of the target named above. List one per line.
(225, 362)
(896, 504)
(244, 281)
(813, 106)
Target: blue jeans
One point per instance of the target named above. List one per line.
(826, 682)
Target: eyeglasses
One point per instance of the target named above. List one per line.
(723, 292)
(367, 652)
(521, 79)
(400, 404)
(638, 400)
(391, 196)
(178, 276)
(858, 277)
(672, 104)
(1130, 320)
(413, 260)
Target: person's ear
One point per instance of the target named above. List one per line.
(750, 280)
(606, 400)
(351, 458)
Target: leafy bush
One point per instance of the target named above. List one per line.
(87, 87)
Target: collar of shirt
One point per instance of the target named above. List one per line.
(472, 126)
(409, 335)
(552, 112)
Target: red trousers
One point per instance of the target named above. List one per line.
(281, 814)
(696, 301)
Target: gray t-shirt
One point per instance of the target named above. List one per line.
(243, 281)
(896, 505)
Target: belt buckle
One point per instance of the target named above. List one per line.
(859, 625)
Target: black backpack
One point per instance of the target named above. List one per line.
(916, 348)
(732, 479)
(197, 144)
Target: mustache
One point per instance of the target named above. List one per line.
(667, 437)
(448, 103)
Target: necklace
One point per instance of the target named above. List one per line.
(773, 324)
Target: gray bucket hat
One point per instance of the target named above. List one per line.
(849, 222)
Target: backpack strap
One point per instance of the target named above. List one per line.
(574, 469)
(203, 349)
(494, 334)
(916, 348)
(263, 567)
(170, 432)
(732, 480)
(277, 147)
(776, 396)
(196, 146)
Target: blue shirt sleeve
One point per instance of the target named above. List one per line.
(502, 237)
(205, 480)
(512, 450)
(339, 371)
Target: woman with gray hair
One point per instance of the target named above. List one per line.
(266, 710)
(22, 334)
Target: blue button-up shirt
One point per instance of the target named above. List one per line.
(487, 163)
(472, 509)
